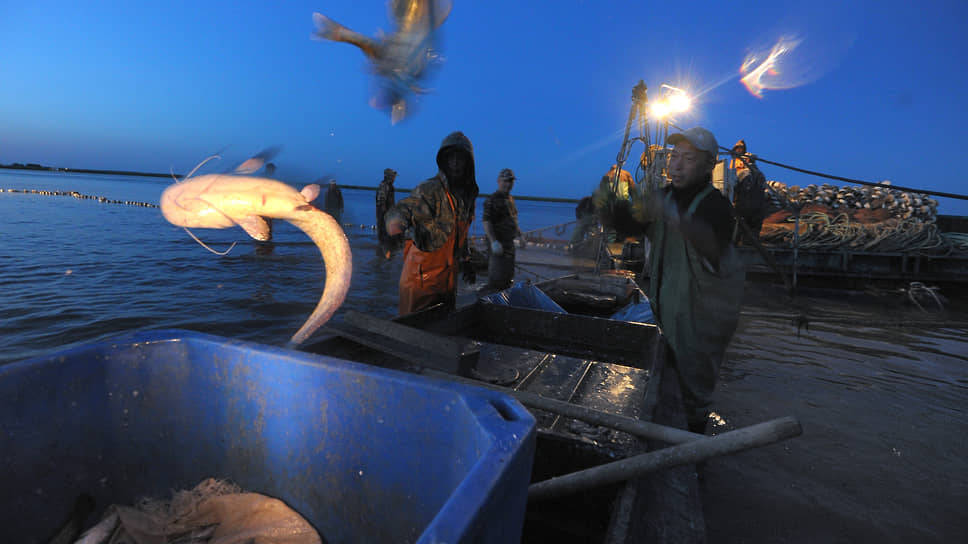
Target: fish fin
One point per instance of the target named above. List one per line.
(398, 111)
(310, 192)
(257, 161)
(249, 166)
(441, 11)
(256, 227)
(328, 29)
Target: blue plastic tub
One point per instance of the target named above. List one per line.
(364, 454)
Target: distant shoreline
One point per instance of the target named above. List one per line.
(40, 168)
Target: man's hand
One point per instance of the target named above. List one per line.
(496, 247)
(670, 211)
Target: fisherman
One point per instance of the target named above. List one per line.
(696, 279)
(749, 198)
(385, 199)
(586, 219)
(333, 202)
(501, 227)
(434, 220)
(621, 187)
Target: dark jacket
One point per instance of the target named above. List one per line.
(385, 199)
(426, 213)
(333, 203)
(501, 212)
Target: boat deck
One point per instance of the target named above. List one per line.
(612, 366)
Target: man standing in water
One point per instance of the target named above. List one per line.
(333, 203)
(385, 199)
(434, 219)
(501, 226)
(696, 279)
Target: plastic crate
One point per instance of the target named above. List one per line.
(365, 454)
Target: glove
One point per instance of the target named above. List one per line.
(496, 247)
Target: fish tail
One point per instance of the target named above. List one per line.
(328, 29)
(335, 249)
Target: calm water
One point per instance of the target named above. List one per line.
(77, 270)
(880, 387)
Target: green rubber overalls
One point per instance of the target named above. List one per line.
(696, 307)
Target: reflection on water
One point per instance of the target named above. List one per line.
(880, 388)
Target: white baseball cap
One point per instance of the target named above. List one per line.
(699, 137)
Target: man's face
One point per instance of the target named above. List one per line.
(688, 166)
(504, 185)
(737, 162)
(455, 165)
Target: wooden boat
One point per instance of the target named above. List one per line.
(583, 359)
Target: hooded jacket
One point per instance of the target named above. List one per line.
(427, 216)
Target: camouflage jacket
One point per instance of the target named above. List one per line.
(385, 198)
(428, 217)
(501, 212)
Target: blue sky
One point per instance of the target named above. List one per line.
(542, 87)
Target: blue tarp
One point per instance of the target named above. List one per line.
(639, 312)
(525, 295)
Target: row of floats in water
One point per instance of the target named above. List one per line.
(76, 194)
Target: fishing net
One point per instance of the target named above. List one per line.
(213, 512)
(864, 219)
(823, 231)
(580, 238)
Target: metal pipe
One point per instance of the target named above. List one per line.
(683, 454)
(635, 427)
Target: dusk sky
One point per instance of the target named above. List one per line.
(873, 91)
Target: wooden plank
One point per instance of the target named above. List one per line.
(464, 354)
(407, 352)
(619, 342)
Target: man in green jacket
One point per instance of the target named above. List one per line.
(696, 279)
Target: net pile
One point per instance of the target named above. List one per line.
(895, 203)
(860, 219)
(825, 231)
(213, 512)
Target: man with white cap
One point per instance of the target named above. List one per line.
(696, 280)
(500, 219)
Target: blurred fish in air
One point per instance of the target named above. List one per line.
(402, 59)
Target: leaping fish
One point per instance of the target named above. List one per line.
(401, 59)
(220, 201)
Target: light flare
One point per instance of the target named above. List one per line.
(761, 73)
(674, 100)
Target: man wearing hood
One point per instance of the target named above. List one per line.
(434, 220)
(385, 199)
(695, 276)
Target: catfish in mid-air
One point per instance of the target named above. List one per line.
(219, 201)
(402, 59)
